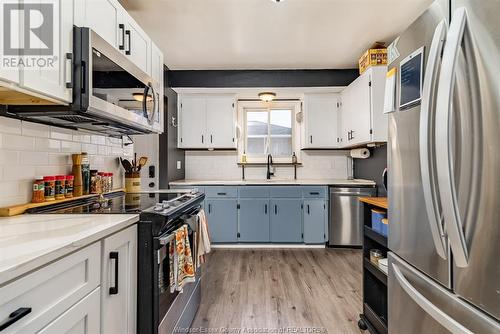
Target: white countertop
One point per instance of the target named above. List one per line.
(326, 182)
(31, 241)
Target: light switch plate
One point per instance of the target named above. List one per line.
(179, 165)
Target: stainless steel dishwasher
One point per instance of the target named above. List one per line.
(346, 215)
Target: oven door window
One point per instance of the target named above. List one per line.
(111, 83)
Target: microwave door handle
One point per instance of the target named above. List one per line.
(435, 312)
(155, 104)
(444, 159)
(426, 146)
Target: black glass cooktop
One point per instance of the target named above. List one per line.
(117, 203)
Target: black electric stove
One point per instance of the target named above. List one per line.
(160, 215)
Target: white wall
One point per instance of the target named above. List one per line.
(222, 165)
(28, 150)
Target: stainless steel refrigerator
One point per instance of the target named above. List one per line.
(444, 172)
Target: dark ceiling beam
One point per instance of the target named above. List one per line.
(260, 78)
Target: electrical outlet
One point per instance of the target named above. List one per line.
(179, 165)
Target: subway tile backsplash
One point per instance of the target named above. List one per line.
(28, 150)
(223, 165)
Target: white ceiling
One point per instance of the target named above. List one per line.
(261, 34)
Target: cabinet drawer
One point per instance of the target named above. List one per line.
(221, 191)
(286, 192)
(51, 290)
(84, 317)
(253, 192)
(314, 192)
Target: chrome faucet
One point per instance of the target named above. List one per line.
(269, 164)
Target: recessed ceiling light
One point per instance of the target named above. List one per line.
(278, 1)
(267, 96)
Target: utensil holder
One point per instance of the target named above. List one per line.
(132, 182)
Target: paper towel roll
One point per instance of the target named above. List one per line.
(360, 153)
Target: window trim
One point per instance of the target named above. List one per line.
(245, 106)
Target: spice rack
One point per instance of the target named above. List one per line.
(19, 209)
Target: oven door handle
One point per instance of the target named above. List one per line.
(165, 239)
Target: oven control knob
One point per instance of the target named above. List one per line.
(158, 207)
(165, 204)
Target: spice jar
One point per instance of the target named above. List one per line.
(49, 188)
(104, 185)
(95, 182)
(38, 190)
(69, 185)
(60, 187)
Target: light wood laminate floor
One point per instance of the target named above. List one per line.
(267, 289)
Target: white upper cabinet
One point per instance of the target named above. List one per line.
(55, 82)
(112, 22)
(207, 121)
(221, 120)
(192, 121)
(104, 17)
(158, 82)
(320, 121)
(137, 44)
(362, 118)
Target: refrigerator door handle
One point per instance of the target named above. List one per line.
(437, 314)
(427, 152)
(444, 159)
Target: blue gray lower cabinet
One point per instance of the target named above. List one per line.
(254, 220)
(286, 220)
(314, 221)
(261, 214)
(222, 215)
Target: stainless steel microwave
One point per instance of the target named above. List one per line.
(111, 94)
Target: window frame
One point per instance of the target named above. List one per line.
(249, 106)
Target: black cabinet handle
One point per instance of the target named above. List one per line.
(211, 139)
(308, 210)
(209, 208)
(129, 51)
(121, 26)
(221, 194)
(202, 139)
(14, 317)
(314, 193)
(311, 139)
(113, 290)
(265, 209)
(275, 209)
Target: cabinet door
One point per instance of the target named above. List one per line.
(345, 117)
(82, 318)
(119, 282)
(104, 17)
(286, 220)
(360, 107)
(52, 81)
(221, 122)
(321, 120)
(192, 122)
(314, 221)
(137, 44)
(254, 220)
(222, 218)
(157, 75)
